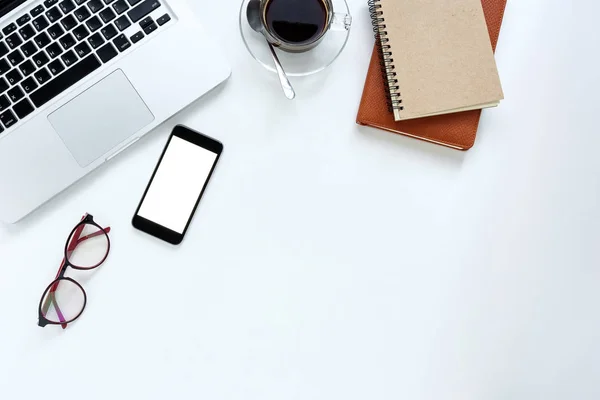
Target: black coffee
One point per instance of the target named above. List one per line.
(296, 21)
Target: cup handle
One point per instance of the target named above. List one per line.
(341, 22)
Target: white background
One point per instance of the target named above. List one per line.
(331, 261)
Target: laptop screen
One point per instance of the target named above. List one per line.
(7, 6)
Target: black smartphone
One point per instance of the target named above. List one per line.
(177, 185)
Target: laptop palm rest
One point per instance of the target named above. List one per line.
(100, 118)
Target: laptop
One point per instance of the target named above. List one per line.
(81, 80)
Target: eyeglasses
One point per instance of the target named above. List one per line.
(64, 299)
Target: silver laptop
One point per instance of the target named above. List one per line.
(81, 80)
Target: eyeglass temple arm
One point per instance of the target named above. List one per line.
(70, 248)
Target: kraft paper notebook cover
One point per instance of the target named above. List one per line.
(456, 130)
(438, 56)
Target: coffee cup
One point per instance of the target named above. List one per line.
(300, 25)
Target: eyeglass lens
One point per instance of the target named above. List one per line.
(63, 301)
(88, 247)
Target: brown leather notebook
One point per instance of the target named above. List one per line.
(457, 130)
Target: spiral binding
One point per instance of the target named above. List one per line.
(387, 62)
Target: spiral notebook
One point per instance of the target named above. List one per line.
(438, 56)
(457, 131)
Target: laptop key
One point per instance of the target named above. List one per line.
(163, 20)
(66, 6)
(143, 9)
(82, 13)
(107, 52)
(3, 85)
(80, 2)
(137, 37)
(27, 32)
(53, 14)
(122, 43)
(50, 3)
(4, 102)
(109, 31)
(23, 19)
(95, 5)
(133, 2)
(15, 94)
(4, 66)
(122, 23)
(23, 108)
(81, 32)
(65, 80)
(107, 15)
(107, 2)
(8, 29)
(40, 23)
(42, 76)
(67, 41)
(145, 22)
(42, 40)
(56, 67)
(93, 24)
(40, 59)
(120, 7)
(28, 49)
(14, 77)
(8, 118)
(69, 58)
(56, 31)
(82, 49)
(14, 40)
(54, 50)
(29, 85)
(150, 28)
(27, 67)
(15, 57)
(3, 49)
(96, 40)
(37, 11)
(69, 22)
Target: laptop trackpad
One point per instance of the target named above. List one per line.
(100, 118)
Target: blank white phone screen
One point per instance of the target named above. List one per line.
(177, 184)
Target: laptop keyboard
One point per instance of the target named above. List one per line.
(58, 43)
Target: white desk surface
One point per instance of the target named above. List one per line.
(332, 261)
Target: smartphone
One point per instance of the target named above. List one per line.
(177, 185)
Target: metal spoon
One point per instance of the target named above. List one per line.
(253, 15)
